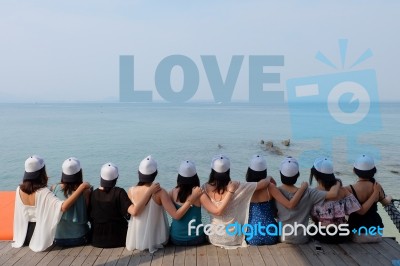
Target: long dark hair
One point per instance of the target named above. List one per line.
(70, 187)
(31, 186)
(185, 186)
(290, 181)
(141, 183)
(368, 174)
(327, 180)
(219, 180)
(255, 176)
(113, 183)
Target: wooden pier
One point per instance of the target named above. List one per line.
(281, 254)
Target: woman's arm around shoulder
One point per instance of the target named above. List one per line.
(169, 206)
(218, 210)
(334, 191)
(278, 196)
(264, 183)
(371, 200)
(74, 196)
(136, 209)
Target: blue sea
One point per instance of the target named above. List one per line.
(97, 133)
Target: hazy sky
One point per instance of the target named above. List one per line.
(69, 50)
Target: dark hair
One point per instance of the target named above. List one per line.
(255, 176)
(146, 179)
(368, 174)
(327, 180)
(185, 188)
(219, 180)
(290, 181)
(70, 187)
(113, 183)
(31, 186)
(141, 183)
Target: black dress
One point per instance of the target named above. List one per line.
(109, 214)
(370, 219)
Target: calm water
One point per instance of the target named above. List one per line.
(125, 133)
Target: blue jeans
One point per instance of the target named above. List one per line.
(193, 242)
(71, 242)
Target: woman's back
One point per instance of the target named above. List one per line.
(334, 211)
(261, 195)
(109, 217)
(148, 230)
(363, 189)
(236, 211)
(179, 228)
(74, 222)
(262, 213)
(45, 213)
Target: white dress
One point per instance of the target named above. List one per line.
(46, 213)
(237, 211)
(149, 230)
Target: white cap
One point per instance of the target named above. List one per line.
(34, 163)
(323, 165)
(187, 169)
(364, 163)
(71, 166)
(289, 167)
(258, 163)
(109, 172)
(148, 166)
(220, 164)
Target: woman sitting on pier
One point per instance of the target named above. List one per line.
(363, 189)
(37, 210)
(188, 179)
(262, 207)
(150, 229)
(331, 211)
(110, 208)
(73, 229)
(237, 212)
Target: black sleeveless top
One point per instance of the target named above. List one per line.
(370, 218)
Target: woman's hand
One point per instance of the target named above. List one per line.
(154, 188)
(377, 191)
(196, 193)
(304, 185)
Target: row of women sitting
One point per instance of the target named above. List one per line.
(61, 215)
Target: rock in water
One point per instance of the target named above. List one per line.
(262, 142)
(269, 145)
(286, 142)
(276, 150)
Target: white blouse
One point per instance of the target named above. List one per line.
(237, 211)
(149, 230)
(46, 213)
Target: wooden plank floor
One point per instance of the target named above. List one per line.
(281, 254)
